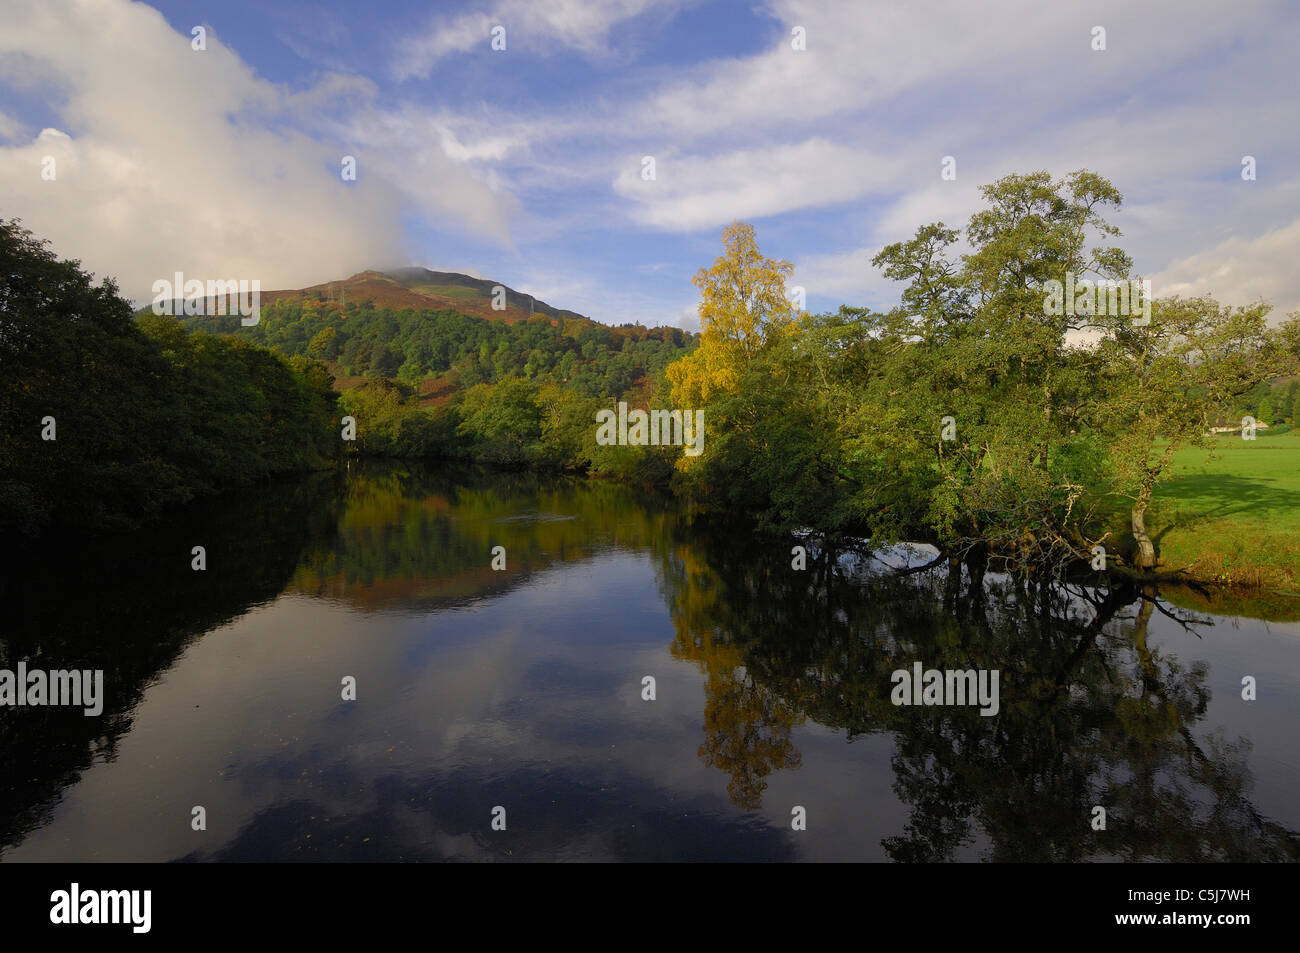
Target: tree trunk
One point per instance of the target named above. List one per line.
(977, 562)
(1146, 558)
(953, 584)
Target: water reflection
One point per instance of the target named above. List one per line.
(1091, 713)
(521, 688)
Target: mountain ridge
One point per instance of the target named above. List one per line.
(423, 288)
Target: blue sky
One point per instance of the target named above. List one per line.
(524, 164)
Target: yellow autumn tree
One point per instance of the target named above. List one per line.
(743, 310)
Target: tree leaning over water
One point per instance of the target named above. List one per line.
(973, 414)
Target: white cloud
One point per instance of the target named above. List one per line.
(170, 159)
(847, 275)
(860, 56)
(693, 192)
(688, 318)
(10, 128)
(173, 159)
(535, 26)
(419, 154)
(1240, 271)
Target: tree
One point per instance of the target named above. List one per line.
(1164, 384)
(324, 344)
(936, 293)
(743, 310)
(975, 343)
(503, 422)
(385, 361)
(71, 354)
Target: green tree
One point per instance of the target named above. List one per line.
(143, 414)
(1164, 384)
(994, 390)
(324, 344)
(503, 422)
(385, 361)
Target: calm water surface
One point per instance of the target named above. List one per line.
(523, 689)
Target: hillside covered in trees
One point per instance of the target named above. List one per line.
(512, 390)
(382, 326)
(360, 340)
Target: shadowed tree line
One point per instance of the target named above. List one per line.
(983, 413)
(109, 418)
(106, 422)
(459, 349)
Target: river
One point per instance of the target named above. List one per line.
(505, 714)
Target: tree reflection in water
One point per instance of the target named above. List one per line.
(1090, 713)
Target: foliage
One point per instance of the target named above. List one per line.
(145, 416)
(411, 345)
(743, 312)
(973, 414)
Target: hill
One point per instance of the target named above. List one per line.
(423, 289)
(437, 333)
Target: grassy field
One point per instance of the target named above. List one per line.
(1234, 518)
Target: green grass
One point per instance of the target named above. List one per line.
(459, 292)
(1234, 518)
